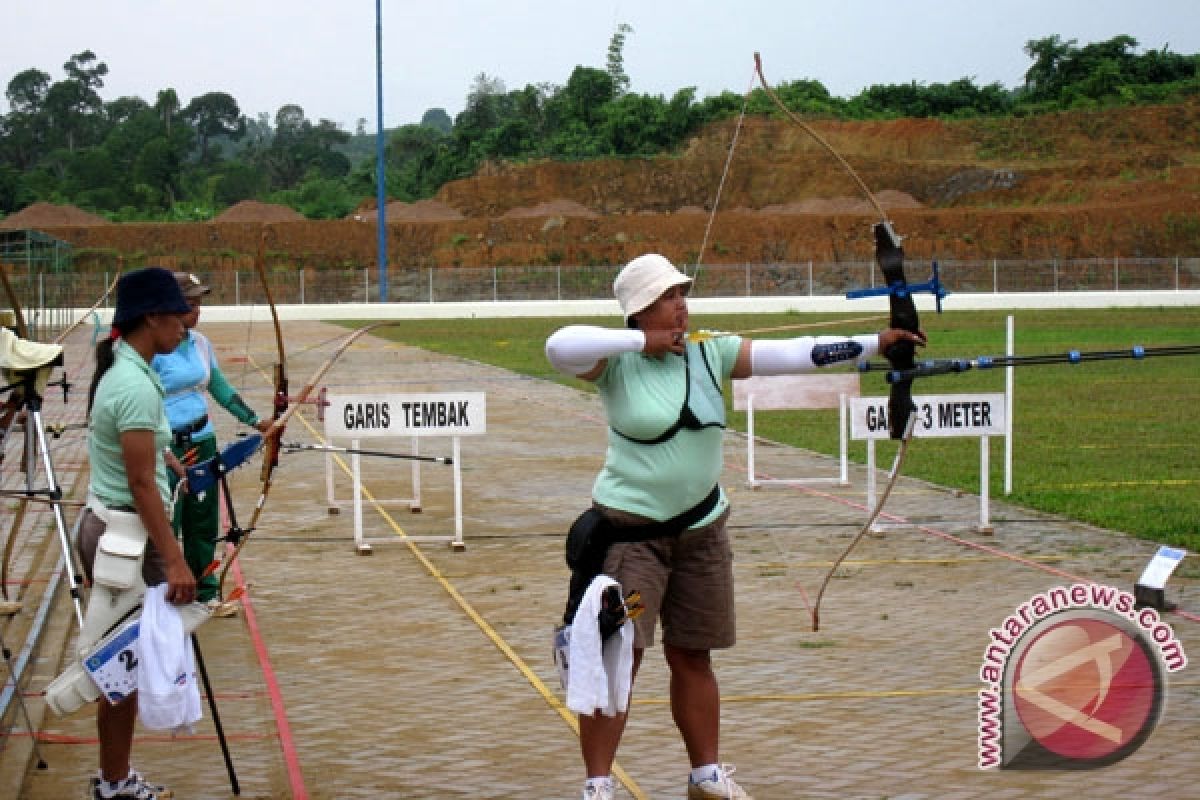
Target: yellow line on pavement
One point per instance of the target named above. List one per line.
(503, 646)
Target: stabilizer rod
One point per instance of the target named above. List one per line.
(296, 447)
(946, 366)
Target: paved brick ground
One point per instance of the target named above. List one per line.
(420, 672)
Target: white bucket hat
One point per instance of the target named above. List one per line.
(643, 280)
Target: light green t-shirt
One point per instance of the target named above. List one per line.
(642, 396)
(128, 398)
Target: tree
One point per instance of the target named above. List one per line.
(438, 119)
(26, 132)
(81, 70)
(214, 114)
(167, 106)
(584, 96)
(26, 91)
(299, 146)
(616, 59)
(1043, 78)
(74, 104)
(123, 109)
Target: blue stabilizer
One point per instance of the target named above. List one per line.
(932, 286)
(201, 477)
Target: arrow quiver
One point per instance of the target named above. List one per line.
(900, 356)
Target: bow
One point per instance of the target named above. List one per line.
(275, 432)
(903, 314)
(279, 414)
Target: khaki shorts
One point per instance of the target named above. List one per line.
(685, 580)
(91, 528)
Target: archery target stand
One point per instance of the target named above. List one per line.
(410, 417)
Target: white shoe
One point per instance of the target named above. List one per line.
(719, 787)
(603, 790)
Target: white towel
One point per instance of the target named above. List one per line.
(601, 674)
(168, 697)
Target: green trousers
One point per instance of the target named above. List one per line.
(197, 521)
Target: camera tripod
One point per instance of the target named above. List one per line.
(25, 406)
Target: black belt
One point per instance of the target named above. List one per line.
(194, 426)
(183, 434)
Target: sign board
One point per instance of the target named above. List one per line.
(783, 392)
(1165, 560)
(362, 416)
(937, 415)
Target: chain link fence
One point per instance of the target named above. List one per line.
(45, 295)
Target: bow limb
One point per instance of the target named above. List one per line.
(275, 432)
(901, 410)
(280, 396)
(22, 503)
(817, 137)
(279, 414)
(18, 317)
(67, 331)
(901, 451)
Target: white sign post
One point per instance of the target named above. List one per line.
(949, 415)
(408, 416)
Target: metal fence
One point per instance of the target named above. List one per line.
(47, 293)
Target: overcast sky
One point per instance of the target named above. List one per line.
(320, 54)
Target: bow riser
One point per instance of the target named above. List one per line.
(901, 355)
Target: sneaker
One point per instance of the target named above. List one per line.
(719, 787)
(601, 790)
(134, 787)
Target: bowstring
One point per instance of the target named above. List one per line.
(724, 174)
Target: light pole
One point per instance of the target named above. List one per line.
(380, 182)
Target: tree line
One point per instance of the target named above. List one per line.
(129, 159)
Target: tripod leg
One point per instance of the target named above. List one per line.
(212, 706)
(60, 521)
(33, 737)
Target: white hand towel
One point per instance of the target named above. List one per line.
(601, 673)
(168, 697)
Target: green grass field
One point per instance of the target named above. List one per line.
(1109, 443)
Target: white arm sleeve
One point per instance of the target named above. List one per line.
(807, 353)
(577, 349)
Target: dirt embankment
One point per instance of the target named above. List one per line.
(1086, 184)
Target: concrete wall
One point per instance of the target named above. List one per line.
(714, 305)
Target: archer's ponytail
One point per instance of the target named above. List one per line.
(104, 360)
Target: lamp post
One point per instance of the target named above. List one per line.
(380, 182)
